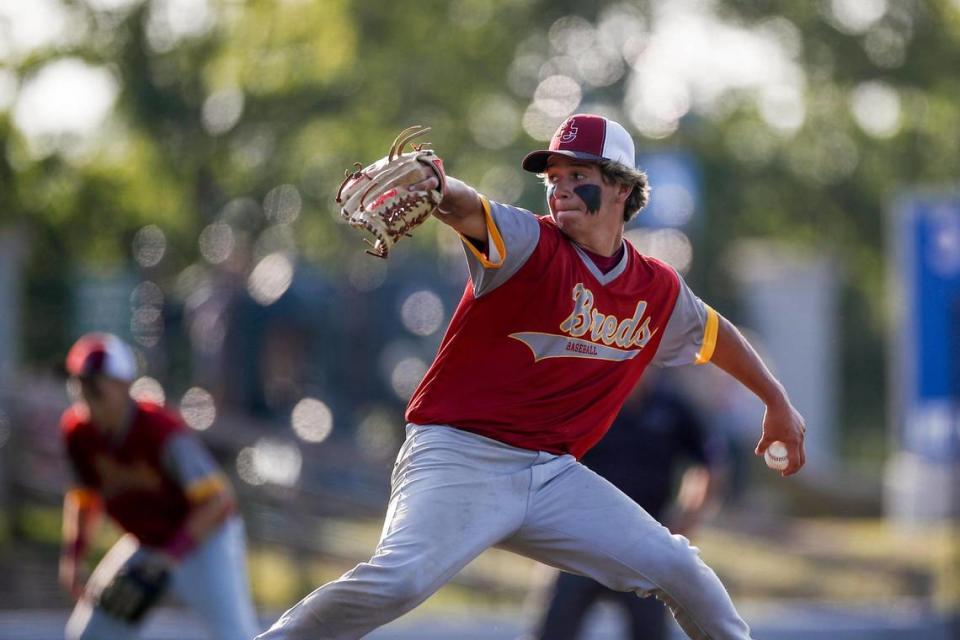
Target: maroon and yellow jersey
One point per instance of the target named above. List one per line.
(147, 477)
(544, 348)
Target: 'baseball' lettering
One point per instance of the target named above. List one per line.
(608, 329)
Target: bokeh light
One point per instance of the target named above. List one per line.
(783, 108)
(147, 389)
(944, 255)
(494, 121)
(538, 124)
(600, 67)
(855, 16)
(557, 96)
(378, 434)
(572, 35)
(193, 280)
(64, 100)
(216, 242)
(282, 204)
(422, 313)
(674, 204)
(149, 246)
(406, 375)
(147, 294)
(657, 100)
(111, 5)
(198, 408)
(252, 148)
(312, 420)
(670, 245)
(32, 25)
(144, 319)
(270, 279)
(222, 110)
(172, 21)
(146, 324)
(886, 47)
(270, 461)
(523, 76)
(876, 108)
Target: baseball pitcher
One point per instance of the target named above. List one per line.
(559, 318)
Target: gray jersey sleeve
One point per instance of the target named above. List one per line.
(512, 235)
(691, 332)
(190, 463)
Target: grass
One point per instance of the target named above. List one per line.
(839, 561)
(864, 561)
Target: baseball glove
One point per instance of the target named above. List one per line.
(375, 197)
(135, 589)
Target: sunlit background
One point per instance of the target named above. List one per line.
(167, 173)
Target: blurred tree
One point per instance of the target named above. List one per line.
(217, 109)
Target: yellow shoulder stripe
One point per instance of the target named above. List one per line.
(82, 497)
(205, 487)
(709, 337)
(498, 248)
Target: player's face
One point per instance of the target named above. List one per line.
(106, 398)
(577, 194)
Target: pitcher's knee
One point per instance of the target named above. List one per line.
(681, 570)
(671, 561)
(407, 588)
(683, 562)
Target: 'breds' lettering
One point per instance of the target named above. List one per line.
(608, 329)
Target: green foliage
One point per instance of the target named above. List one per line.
(293, 92)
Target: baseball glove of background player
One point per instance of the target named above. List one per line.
(135, 589)
(375, 197)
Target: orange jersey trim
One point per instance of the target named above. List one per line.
(709, 337)
(205, 487)
(82, 498)
(495, 238)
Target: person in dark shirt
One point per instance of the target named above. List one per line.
(656, 434)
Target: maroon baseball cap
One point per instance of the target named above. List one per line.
(102, 354)
(587, 137)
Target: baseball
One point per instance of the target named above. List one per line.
(776, 456)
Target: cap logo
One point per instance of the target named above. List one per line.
(569, 132)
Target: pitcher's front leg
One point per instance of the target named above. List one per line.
(442, 514)
(581, 523)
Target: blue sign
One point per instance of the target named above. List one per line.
(926, 236)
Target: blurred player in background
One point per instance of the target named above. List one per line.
(559, 319)
(141, 464)
(657, 433)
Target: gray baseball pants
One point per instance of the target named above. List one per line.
(455, 494)
(212, 579)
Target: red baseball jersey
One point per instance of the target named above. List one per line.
(132, 474)
(544, 348)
